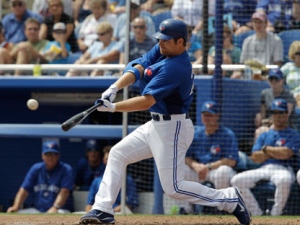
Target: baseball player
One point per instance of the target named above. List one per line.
(274, 149)
(213, 153)
(50, 181)
(166, 84)
(90, 166)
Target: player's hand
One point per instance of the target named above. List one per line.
(12, 209)
(106, 106)
(110, 93)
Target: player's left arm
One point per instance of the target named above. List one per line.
(279, 152)
(60, 200)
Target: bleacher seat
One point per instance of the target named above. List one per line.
(159, 17)
(287, 37)
(239, 39)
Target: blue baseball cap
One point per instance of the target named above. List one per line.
(210, 106)
(91, 145)
(276, 73)
(279, 104)
(50, 146)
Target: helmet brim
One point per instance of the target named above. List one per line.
(162, 36)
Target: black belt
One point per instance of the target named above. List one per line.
(165, 117)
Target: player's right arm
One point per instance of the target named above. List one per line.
(19, 199)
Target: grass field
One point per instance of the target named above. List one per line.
(137, 219)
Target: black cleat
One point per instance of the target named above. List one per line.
(241, 212)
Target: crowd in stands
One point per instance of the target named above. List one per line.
(94, 32)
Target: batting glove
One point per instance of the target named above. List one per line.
(106, 106)
(110, 93)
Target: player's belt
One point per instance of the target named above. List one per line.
(166, 117)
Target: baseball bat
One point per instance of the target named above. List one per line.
(74, 120)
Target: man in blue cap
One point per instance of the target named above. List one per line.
(50, 181)
(213, 153)
(263, 119)
(90, 166)
(274, 149)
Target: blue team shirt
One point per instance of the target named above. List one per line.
(288, 138)
(46, 184)
(273, 9)
(169, 80)
(85, 174)
(14, 29)
(210, 148)
(131, 192)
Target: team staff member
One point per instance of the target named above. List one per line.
(274, 150)
(166, 83)
(50, 181)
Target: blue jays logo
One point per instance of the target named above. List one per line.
(149, 71)
(208, 105)
(215, 149)
(278, 102)
(162, 28)
(280, 142)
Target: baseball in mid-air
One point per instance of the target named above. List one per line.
(32, 104)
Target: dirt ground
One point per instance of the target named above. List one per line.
(17, 219)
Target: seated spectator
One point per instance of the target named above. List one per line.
(140, 43)
(231, 53)
(135, 11)
(213, 153)
(241, 11)
(131, 191)
(291, 70)
(57, 14)
(294, 22)
(103, 51)
(263, 119)
(57, 51)
(41, 7)
(82, 9)
(49, 181)
(193, 46)
(262, 46)
(88, 28)
(30, 51)
(274, 149)
(90, 166)
(13, 23)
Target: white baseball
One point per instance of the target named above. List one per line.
(32, 104)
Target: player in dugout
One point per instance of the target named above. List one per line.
(51, 183)
(166, 84)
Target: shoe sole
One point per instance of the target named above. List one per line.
(93, 221)
(237, 191)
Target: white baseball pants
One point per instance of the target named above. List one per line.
(167, 142)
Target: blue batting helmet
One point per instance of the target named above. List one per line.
(172, 28)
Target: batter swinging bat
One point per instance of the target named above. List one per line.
(73, 121)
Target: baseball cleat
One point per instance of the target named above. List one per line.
(97, 217)
(241, 212)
